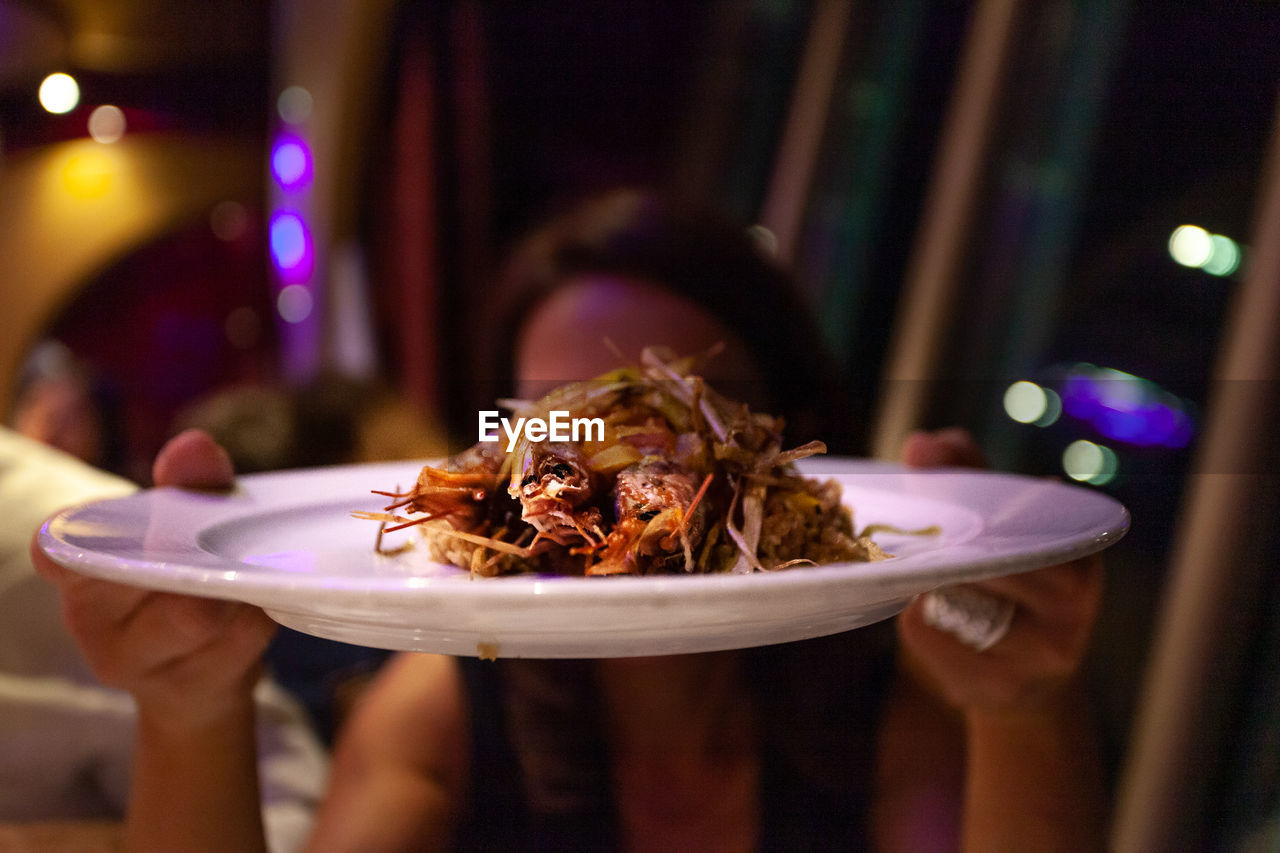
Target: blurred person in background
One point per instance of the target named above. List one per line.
(60, 401)
(331, 420)
(66, 739)
(832, 742)
(255, 424)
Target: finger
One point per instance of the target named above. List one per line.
(234, 633)
(161, 631)
(943, 657)
(221, 672)
(251, 628)
(102, 604)
(167, 627)
(216, 672)
(947, 447)
(193, 460)
(46, 567)
(1073, 587)
(110, 636)
(1008, 674)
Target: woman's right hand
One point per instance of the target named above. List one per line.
(186, 659)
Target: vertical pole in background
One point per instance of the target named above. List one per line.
(1177, 740)
(784, 205)
(930, 296)
(415, 233)
(475, 192)
(330, 49)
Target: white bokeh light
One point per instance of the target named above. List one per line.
(59, 93)
(1025, 402)
(1087, 462)
(107, 124)
(1190, 245)
(294, 303)
(294, 105)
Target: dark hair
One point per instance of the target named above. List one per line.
(698, 254)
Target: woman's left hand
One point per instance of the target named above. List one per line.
(1034, 664)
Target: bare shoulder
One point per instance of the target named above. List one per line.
(401, 763)
(418, 697)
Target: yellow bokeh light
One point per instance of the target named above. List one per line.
(88, 175)
(59, 93)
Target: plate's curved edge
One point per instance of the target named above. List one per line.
(559, 593)
(247, 497)
(124, 571)
(1033, 561)
(563, 590)
(498, 643)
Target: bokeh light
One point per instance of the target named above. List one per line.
(1225, 257)
(1087, 462)
(1193, 246)
(291, 248)
(229, 220)
(1025, 402)
(1052, 409)
(1029, 403)
(243, 327)
(88, 174)
(291, 162)
(294, 303)
(107, 124)
(59, 93)
(294, 105)
(1126, 408)
(1190, 245)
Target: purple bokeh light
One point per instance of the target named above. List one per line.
(292, 249)
(1126, 408)
(291, 162)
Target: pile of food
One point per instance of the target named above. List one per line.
(659, 474)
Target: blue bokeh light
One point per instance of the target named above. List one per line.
(291, 247)
(1126, 408)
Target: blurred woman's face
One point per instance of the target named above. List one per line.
(564, 337)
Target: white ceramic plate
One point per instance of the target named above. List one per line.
(287, 542)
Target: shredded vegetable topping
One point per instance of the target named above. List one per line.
(680, 480)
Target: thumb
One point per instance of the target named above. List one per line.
(193, 460)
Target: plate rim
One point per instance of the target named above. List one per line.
(101, 564)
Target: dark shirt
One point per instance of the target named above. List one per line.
(540, 771)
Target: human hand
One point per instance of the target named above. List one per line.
(189, 659)
(1032, 666)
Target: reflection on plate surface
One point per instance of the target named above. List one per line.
(287, 542)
